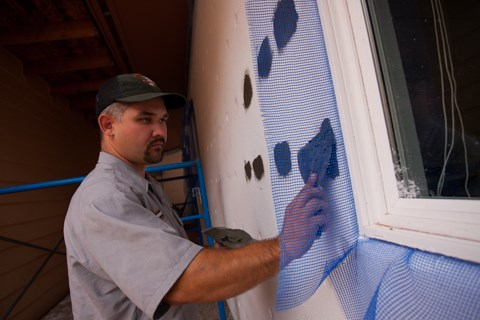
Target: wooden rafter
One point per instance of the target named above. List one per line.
(50, 32)
(77, 87)
(108, 34)
(65, 64)
(86, 103)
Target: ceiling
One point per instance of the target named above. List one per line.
(75, 45)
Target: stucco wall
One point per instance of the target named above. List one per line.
(231, 136)
(41, 139)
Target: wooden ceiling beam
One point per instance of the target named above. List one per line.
(50, 32)
(108, 34)
(86, 103)
(65, 64)
(77, 87)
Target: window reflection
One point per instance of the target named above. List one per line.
(429, 55)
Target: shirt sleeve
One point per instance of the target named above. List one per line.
(128, 245)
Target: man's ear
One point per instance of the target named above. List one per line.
(105, 122)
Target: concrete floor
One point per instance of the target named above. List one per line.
(63, 311)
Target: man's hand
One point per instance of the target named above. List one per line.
(227, 273)
(303, 217)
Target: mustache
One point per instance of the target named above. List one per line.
(162, 140)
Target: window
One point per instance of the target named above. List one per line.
(405, 74)
(428, 51)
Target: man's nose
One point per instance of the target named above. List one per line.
(160, 129)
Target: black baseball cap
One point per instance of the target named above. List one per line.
(134, 87)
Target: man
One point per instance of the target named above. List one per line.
(127, 253)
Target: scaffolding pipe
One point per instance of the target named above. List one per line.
(41, 185)
(68, 181)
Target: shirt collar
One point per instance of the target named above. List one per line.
(125, 169)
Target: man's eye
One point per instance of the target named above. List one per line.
(145, 120)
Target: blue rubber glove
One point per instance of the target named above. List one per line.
(304, 215)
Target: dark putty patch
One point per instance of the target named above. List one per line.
(258, 168)
(283, 158)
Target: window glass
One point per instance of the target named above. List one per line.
(428, 54)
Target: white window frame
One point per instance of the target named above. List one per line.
(446, 226)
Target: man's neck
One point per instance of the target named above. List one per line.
(140, 168)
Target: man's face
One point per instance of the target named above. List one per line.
(140, 137)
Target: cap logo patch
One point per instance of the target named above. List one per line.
(145, 79)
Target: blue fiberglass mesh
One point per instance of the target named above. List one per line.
(373, 279)
(380, 280)
(303, 133)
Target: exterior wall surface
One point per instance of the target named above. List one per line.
(231, 136)
(41, 139)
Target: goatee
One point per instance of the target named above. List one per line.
(151, 155)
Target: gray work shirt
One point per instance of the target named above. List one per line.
(126, 246)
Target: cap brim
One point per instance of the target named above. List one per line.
(172, 100)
